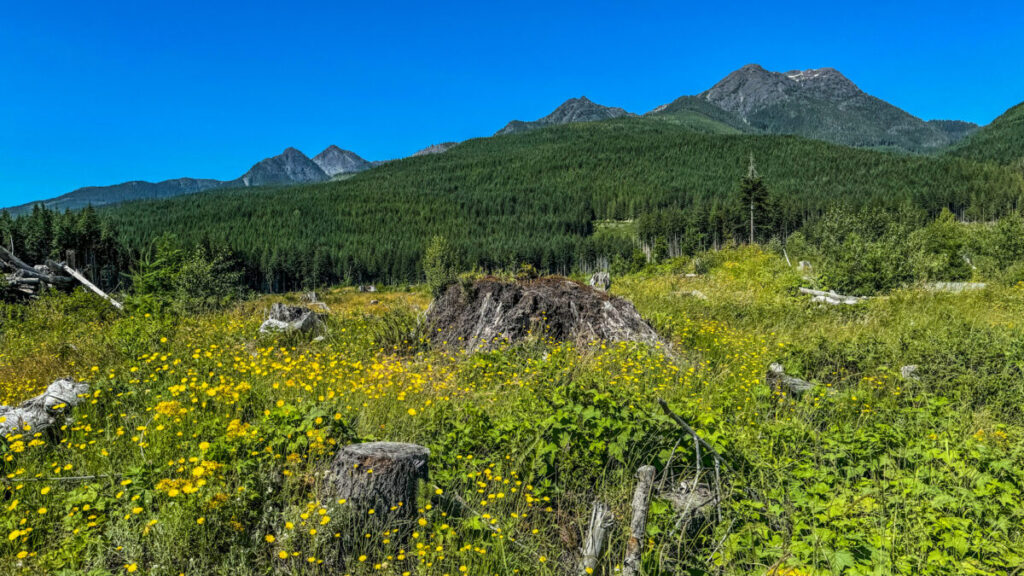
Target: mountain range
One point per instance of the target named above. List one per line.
(820, 104)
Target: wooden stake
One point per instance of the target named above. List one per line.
(601, 523)
(638, 524)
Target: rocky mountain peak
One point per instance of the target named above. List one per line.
(825, 83)
(750, 88)
(334, 160)
(288, 167)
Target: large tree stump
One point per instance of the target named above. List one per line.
(379, 482)
(383, 476)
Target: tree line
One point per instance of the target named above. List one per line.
(534, 198)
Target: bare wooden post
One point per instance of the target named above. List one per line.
(638, 524)
(601, 523)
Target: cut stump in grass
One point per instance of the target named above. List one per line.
(378, 482)
(379, 476)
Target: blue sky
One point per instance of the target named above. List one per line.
(96, 93)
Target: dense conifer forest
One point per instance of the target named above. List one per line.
(534, 198)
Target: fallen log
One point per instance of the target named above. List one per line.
(779, 381)
(44, 411)
(831, 297)
(85, 282)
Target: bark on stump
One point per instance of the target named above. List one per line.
(383, 477)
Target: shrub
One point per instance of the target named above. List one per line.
(439, 265)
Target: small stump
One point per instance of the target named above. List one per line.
(382, 477)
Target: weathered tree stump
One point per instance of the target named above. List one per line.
(780, 382)
(383, 476)
(48, 410)
(378, 483)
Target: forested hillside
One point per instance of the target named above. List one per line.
(1001, 141)
(533, 198)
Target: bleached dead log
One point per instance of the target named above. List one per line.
(23, 271)
(638, 523)
(955, 287)
(831, 297)
(779, 381)
(85, 282)
(44, 411)
(601, 523)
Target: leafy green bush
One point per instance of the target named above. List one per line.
(440, 265)
(170, 279)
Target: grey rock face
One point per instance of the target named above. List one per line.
(334, 161)
(573, 110)
(436, 148)
(288, 167)
(825, 105)
(749, 89)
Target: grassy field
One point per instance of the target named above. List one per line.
(202, 445)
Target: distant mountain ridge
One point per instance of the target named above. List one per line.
(820, 103)
(289, 167)
(580, 109)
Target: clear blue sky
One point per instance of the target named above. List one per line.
(98, 93)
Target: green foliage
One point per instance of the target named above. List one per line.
(1001, 142)
(439, 265)
(534, 197)
(169, 278)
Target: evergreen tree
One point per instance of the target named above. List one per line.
(755, 198)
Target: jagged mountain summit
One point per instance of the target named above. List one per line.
(334, 161)
(288, 167)
(818, 103)
(580, 109)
